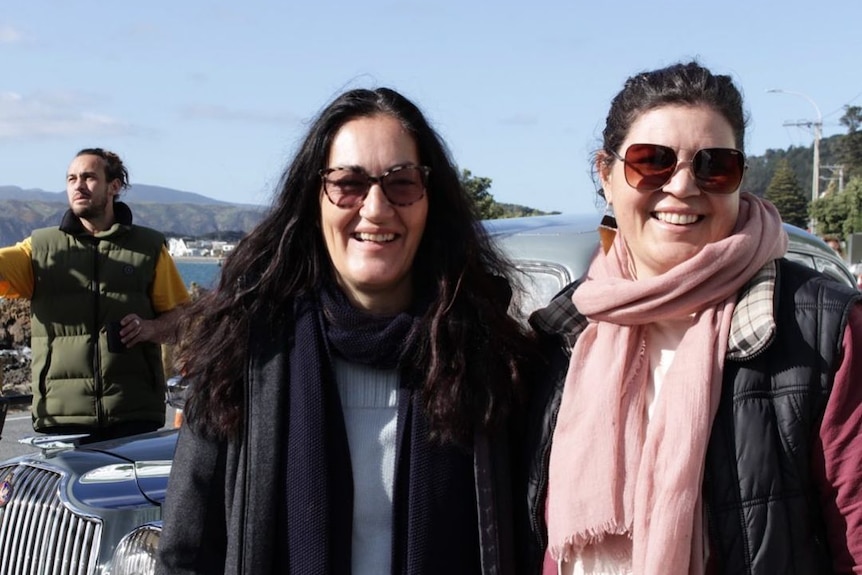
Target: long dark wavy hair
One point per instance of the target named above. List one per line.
(472, 352)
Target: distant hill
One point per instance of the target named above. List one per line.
(187, 214)
(173, 212)
(135, 194)
(519, 211)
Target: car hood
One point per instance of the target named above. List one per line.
(146, 459)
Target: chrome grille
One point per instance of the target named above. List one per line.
(38, 534)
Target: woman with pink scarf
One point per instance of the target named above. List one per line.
(703, 411)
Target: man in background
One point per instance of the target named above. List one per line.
(834, 243)
(104, 294)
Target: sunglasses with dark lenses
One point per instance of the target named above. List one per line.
(649, 167)
(348, 187)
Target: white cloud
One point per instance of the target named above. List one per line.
(9, 35)
(25, 117)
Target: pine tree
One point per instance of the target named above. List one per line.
(785, 192)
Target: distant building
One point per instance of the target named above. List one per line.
(219, 248)
(179, 248)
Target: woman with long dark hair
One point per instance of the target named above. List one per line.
(353, 370)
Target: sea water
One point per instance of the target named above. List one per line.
(204, 274)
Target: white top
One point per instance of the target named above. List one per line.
(369, 399)
(613, 556)
(662, 340)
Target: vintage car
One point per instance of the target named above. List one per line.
(95, 508)
(554, 250)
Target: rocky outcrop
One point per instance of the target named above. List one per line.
(15, 345)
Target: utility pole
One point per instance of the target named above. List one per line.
(838, 168)
(818, 132)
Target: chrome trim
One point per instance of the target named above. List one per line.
(40, 532)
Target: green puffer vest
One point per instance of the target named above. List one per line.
(81, 283)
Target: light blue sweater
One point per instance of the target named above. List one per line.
(369, 402)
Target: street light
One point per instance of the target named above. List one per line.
(818, 127)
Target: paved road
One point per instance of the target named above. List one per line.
(19, 425)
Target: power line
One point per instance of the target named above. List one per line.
(841, 109)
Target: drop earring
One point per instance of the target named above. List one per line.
(608, 228)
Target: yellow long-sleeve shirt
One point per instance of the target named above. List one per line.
(16, 277)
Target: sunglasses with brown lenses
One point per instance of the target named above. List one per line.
(649, 167)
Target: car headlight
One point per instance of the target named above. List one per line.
(136, 552)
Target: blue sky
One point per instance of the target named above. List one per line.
(212, 97)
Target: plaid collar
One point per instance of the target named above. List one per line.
(752, 327)
(560, 317)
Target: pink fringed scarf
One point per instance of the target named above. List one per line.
(610, 472)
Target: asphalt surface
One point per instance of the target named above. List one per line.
(19, 425)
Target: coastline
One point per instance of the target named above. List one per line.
(196, 259)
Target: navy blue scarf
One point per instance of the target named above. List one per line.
(434, 512)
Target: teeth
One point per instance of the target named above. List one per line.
(375, 237)
(673, 218)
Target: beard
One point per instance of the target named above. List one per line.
(94, 211)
